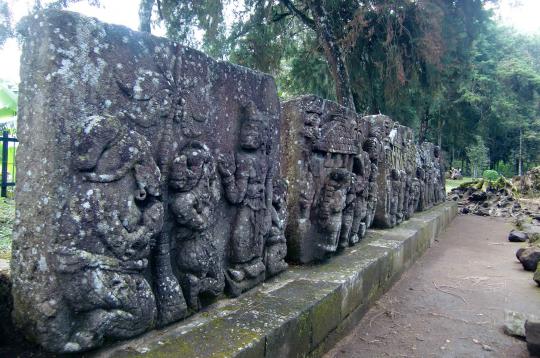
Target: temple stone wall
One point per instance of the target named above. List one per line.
(153, 180)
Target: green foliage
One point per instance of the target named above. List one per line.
(505, 168)
(6, 30)
(8, 101)
(478, 155)
(491, 175)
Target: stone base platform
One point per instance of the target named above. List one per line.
(302, 312)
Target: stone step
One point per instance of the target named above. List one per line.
(303, 311)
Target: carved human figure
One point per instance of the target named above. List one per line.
(276, 244)
(347, 217)
(245, 179)
(311, 134)
(108, 228)
(421, 176)
(374, 147)
(330, 207)
(373, 196)
(395, 192)
(407, 195)
(400, 216)
(414, 198)
(429, 185)
(359, 205)
(195, 193)
(439, 175)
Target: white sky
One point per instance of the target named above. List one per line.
(520, 14)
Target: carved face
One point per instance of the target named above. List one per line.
(188, 168)
(251, 134)
(311, 126)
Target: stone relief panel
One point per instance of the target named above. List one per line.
(156, 179)
(347, 173)
(409, 177)
(326, 159)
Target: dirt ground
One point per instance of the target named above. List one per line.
(451, 302)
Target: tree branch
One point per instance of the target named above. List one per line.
(303, 17)
(279, 17)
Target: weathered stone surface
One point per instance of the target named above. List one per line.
(532, 335)
(536, 276)
(517, 236)
(347, 172)
(145, 187)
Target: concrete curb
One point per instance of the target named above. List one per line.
(304, 311)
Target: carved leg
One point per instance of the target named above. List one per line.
(169, 298)
(192, 288)
(346, 226)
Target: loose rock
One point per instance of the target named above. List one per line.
(532, 334)
(529, 258)
(517, 236)
(514, 323)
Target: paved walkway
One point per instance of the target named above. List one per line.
(451, 302)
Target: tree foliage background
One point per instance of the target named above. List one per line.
(443, 67)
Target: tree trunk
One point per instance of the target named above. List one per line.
(441, 124)
(520, 162)
(333, 53)
(424, 124)
(521, 178)
(145, 15)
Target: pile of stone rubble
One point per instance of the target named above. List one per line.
(498, 202)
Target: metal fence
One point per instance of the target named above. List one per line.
(9, 171)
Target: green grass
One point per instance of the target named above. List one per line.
(451, 184)
(7, 217)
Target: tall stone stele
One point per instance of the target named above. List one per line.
(146, 182)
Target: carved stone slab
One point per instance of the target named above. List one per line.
(347, 173)
(331, 179)
(146, 182)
